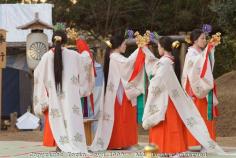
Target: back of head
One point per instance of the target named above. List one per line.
(116, 42)
(62, 35)
(195, 34)
(166, 42)
(59, 38)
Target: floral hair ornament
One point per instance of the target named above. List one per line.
(153, 36)
(206, 28)
(59, 27)
(72, 33)
(141, 41)
(129, 34)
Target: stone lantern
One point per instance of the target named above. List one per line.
(37, 41)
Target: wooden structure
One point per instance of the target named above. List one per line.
(14, 49)
(88, 130)
(36, 24)
(3, 46)
(2, 65)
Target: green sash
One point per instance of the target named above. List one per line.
(210, 106)
(141, 102)
(210, 99)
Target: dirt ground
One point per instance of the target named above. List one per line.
(226, 88)
(32, 136)
(38, 135)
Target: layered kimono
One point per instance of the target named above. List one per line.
(198, 81)
(170, 124)
(168, 107)
(117, 126)
(64, 107)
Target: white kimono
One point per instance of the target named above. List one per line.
(192, 71)
(65, 111)
(120, 71)
(165, 84)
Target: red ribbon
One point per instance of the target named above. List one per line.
(138, 65)
(209, 48)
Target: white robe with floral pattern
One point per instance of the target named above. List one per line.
(193, 67)
(65, 111)
(165, 84)
(120, 70)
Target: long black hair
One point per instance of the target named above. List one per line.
(166, 43)
(116, 42)
(59, 38)
(195, 34)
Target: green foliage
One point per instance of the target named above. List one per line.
(226, 14)
(226, 19)
(225, 57)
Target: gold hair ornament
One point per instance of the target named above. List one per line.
(57, 38)
(175, 44)
(108, 43)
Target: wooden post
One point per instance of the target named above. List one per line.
(183, 50)
(13, 120)
(88, 130)
(3, 46)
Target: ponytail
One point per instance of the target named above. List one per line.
(106, 65)
(58, 66)
(114, 43)
(175, 53)
(59, 38)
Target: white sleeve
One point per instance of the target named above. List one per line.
(157, 100)
(201, 83)
(40, 97)
(86, 74)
